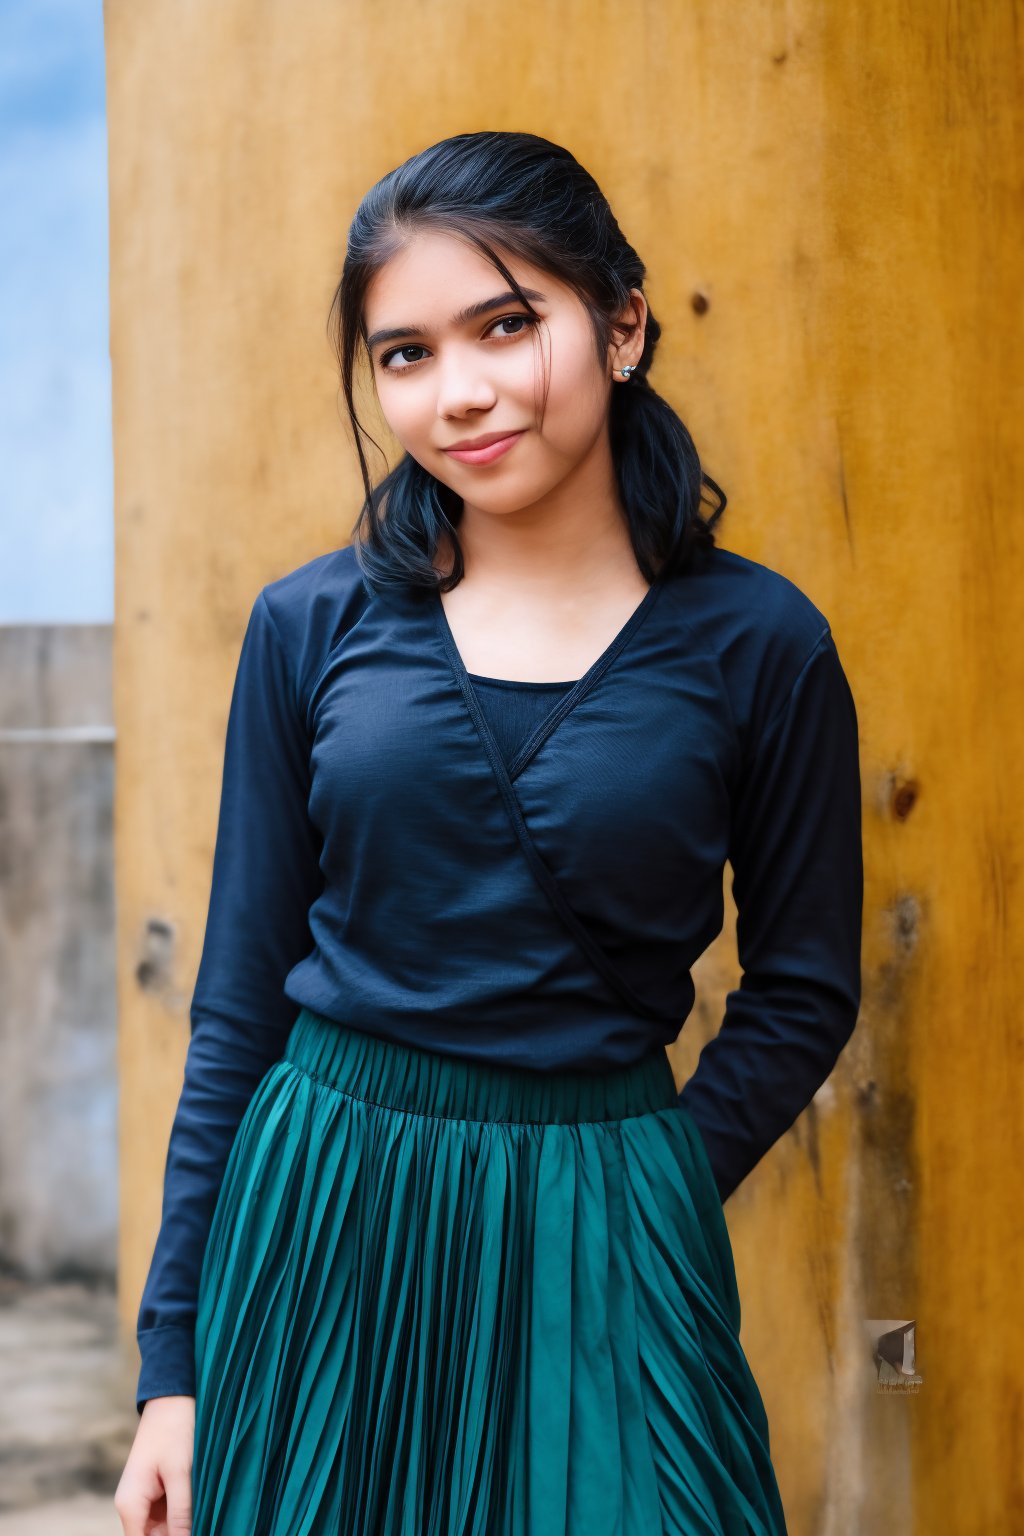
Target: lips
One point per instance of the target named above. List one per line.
(484, 450)
(467, 443)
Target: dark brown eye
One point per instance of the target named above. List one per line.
(526, 322)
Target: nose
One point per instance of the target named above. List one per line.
(462, 385)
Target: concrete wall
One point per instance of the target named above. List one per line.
(58, 1035)
(828, 198)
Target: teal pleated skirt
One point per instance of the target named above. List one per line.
(444, 1298)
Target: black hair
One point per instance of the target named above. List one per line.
(531, 198)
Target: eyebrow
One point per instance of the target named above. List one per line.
(471, 312)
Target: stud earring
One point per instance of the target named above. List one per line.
(629, 368)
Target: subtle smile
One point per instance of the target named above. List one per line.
(488, 453)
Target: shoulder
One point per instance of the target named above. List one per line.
(311, 606)
(746, 600)
(762, 628)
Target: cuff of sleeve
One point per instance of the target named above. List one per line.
(168, 1364)
(726, 1180)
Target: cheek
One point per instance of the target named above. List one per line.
(577, 404)
(407, 415)
(573, 360)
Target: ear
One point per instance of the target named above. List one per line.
(632, 322)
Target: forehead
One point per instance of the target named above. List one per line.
(432, 274)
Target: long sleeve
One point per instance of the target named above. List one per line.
(796, 856)
(266, 875)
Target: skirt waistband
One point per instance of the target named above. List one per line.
(400, 1076)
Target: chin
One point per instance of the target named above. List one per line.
(511, 500)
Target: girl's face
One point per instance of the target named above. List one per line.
(461, 359)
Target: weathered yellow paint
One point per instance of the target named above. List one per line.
(842, 184)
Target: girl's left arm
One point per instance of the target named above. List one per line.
(798, 882)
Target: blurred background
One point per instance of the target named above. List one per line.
(829, 203)
(65, 1366)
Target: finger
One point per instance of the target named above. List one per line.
(132, 1511)
(178, 1487)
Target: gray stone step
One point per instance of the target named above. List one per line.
(67, 1406)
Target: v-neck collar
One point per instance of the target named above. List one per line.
(563, 704)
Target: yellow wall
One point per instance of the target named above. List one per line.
(842, 183)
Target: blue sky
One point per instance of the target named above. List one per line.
(56, 467)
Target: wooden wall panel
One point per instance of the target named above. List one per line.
(842, 186)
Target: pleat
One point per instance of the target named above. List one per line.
(470, 1322)
(708, 1427)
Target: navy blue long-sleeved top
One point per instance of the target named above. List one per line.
(390, 857)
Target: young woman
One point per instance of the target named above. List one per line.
(443, 1249)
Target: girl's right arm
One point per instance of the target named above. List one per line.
(266, 876)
